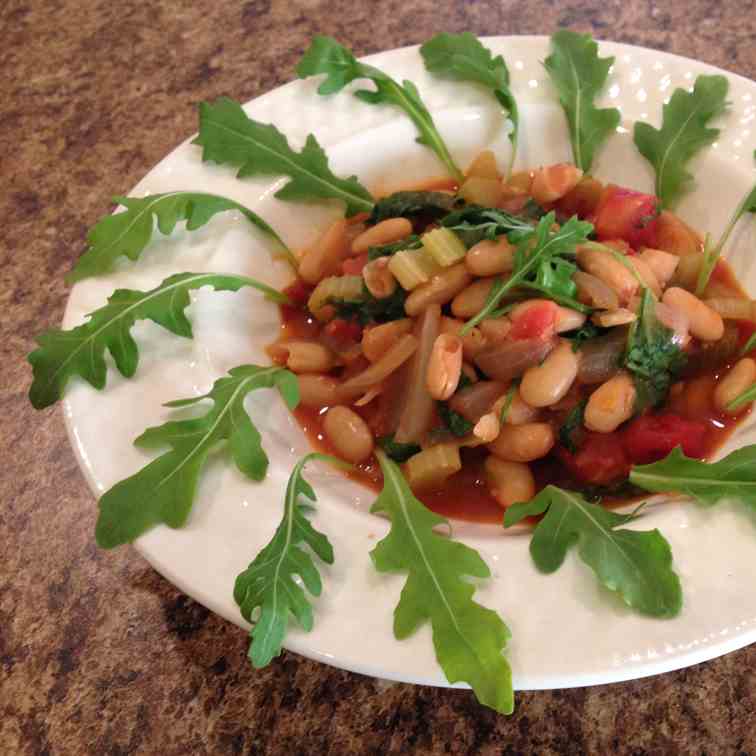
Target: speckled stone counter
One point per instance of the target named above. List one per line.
(99, 654)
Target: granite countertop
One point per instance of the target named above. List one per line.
(99, 654)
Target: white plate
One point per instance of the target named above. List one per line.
(567, 631)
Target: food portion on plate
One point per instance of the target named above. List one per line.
(502, 345)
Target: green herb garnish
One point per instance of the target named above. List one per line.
(228, 136)
(572, 429)
(372, 310)
(462, 57)
(129, 232)
(428, 205)
(326, 56)
(81, 350)
(475, 223)
(579, 75)
(269, 582)
(456, 424)
(683, 133)
(163, 491)
(398, 452)
(635, 564)
(468, 638)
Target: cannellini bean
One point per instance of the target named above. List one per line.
(662, 263)
(441, 288)
(487, 428)
(376, 341)
(688, 269)
(509, 482)
(545, 384)
(470, 300)
(610, 404)
(611, 318)
(348, 433)
(379, 280)
(488, 258)
(523, 443)
(385, 232)
(554, 181)
(612, 272)
(472, 342)
(705, 323)
(740, 377)
(317, 390)
(495, 330)
(444, 366)
(518, 412)
(594, 292)
(676, 320)
(645, 273)
(324, 257)
(305, 356)
(568, 319)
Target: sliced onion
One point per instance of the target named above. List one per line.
(594, 292)
(380, 370)
(475, 401)
(418, 405)
(511, 359)
(600, 358)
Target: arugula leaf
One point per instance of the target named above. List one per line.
(386, 250)
(430, 205)
(572, 429)
(635, 564)
(586, 332)
(508, 399)
(733, 477)
(554, 279)
(534, 247)
(749, 346)
(129, 232)
(81, 350)
(468, 638)
(457, 424)
(462, 57)
(397, 451)
(228, 136)
(372, 310)
(475, 223)
(745, 397)
(711, 254)
(163, 491)
(652, 356)
(269, 584)
(326, 56)
(683, 133)
(579, 75)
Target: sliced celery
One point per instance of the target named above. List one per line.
(412, 267)
(444, 246)
(432, 466)
(336, 288)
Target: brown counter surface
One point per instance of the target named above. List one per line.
(99, 654)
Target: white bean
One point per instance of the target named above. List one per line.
(509, 482)
(348, 433)
(705, 323)
(545, 384)
(740, 377)
(610, 404)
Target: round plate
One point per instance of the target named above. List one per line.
(566, 629)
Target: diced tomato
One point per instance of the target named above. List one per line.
(341, 334)
(353, 266)
(629, 215)
(298, 292)
(650, 438)
(600, 460)
(535, 319)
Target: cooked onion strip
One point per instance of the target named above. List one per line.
(380, 370)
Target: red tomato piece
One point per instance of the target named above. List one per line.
(650, 438)
(353, 266)
(299, 292)
(600, 460)
(629, 215)
(342, 334)
(535, 319)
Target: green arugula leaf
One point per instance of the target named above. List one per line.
(733, 477)
(635, 564)
(712, 253)
(397, 451)
(653, 357)
(371, 309)
(468, 638)
(534, 247)
(163, 491)
(81, 350)
(749, 346)
(269, 584)
(430, 205)
(746, 397)
(572, 430)
(683, 133)
(228, 136)
(326, 56)
(554, 279)
(129, 232)
(475, 223)
(457, 424)
(508, 399)
(386, 250)
(462, 57)
(579, 75)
